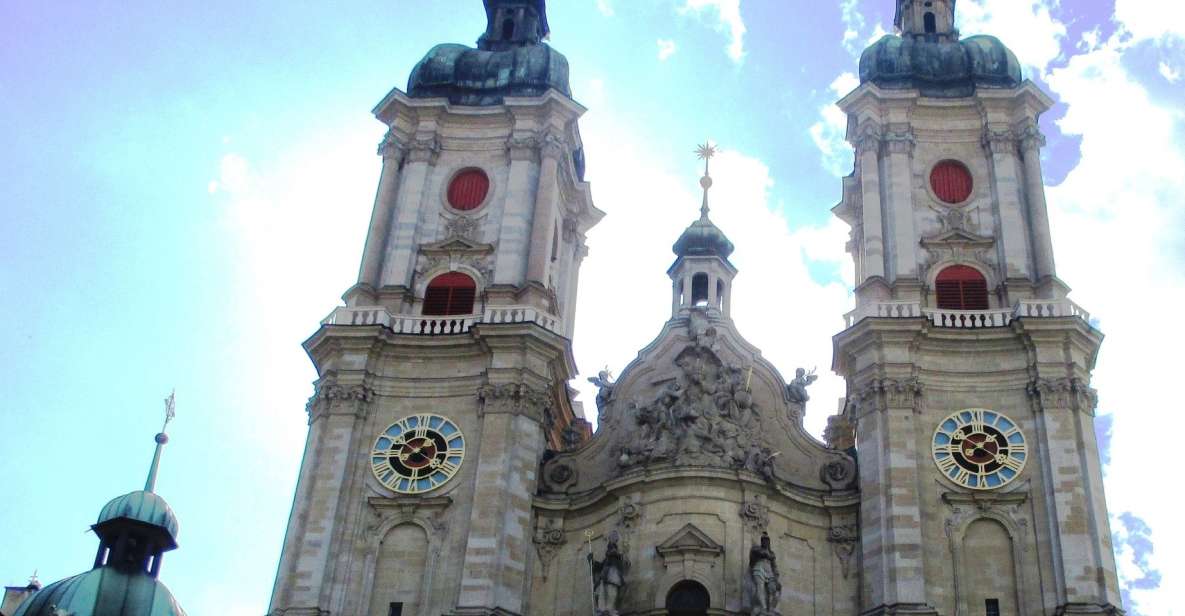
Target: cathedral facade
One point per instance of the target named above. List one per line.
(448, 470)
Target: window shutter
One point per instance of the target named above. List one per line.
(450, 294)
(960, 287)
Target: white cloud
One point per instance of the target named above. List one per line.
(605, 7)
(1027, 27)
(830, 132)
(1151, 19)
(1170, 74)
(728, 20)
(649, 204)
(666, 49)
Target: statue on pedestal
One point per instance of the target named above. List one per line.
(608, 577)
(763, 588)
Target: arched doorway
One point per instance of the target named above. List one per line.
(688, 598)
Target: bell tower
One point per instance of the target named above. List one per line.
(968, 369)
(701, 275)
(443, 380)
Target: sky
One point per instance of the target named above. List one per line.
(186, 189)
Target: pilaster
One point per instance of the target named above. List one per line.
(393, 154)
(1008, 205)
(402, 241)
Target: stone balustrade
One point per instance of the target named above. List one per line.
(423, 325)
(969, 319)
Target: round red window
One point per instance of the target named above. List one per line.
(468, 189)
(951, 181)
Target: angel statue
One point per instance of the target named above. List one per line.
(604, 391)
(796, 390)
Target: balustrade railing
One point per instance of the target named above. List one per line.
(969, 319)
(437, 325)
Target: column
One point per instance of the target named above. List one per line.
(1014, 236)
(890, 511)
(1031, 143)
(380, 218)
(868, 146)
(510, 267)
(1084, 561)
(902, 249)
(305, 578)
(543, 220)
(495, 573)
(401, 246)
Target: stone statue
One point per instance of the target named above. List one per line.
(763, 588)
(796, 390)
(604, 391)
(608, 577)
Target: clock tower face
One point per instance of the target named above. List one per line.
(979, 449)
(418, 453)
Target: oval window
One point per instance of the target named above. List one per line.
(468, 189)
(951, 181)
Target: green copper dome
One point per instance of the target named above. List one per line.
(104, 591)
(511, 59)
(940, 68)
(703, 239)
(141, 506)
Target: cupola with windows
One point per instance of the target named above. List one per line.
(702, 274)
(134, 530)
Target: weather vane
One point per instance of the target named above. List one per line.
(705, 153)
(170, 408)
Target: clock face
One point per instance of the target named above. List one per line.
(418, 453)
(979, 449)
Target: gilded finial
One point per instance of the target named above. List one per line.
(705, 153)
(161, 440)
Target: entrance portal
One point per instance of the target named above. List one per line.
(688, 598)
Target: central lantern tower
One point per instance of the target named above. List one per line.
(443, 380)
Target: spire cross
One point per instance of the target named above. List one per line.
(705, 152)
(161, 439)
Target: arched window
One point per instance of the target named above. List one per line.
(688, 598)
(508, 29)
(960, 287)
(931, 23)
(720, 295)
(699, 289)
(450, 294)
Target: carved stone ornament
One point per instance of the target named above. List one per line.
(1007, 507)
(390, 147)
(755, 515)
(559, 475)
(957, 242)
(881, 394)
(840, 434)
(839, 474)
(463, 227)
(844, 539)
(868, 138)
(629, 514)
(515, 399)
(1064, 393)
(548, 539)
(333, 399)
(704, 415)
(900, 141)
(1031, 138)
(1000, 140)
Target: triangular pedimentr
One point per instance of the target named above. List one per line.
(456, 245)
(689, 539)
(957, 236)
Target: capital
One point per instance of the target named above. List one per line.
(868, 138)
(514, 399)
(1031, 138)
(1000, 141)
(390, 148)
(424, 149)
(899, 141)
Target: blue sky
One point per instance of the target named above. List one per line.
(187, 189)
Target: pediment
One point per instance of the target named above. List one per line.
(957, 237)
(456, 245)
(689, 539)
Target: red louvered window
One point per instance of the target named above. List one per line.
(961, 288)
(450, 294)
(951, 181)
(468, 189)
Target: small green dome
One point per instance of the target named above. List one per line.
(940, 68)
(703, 239)
(84, 594)
(141, 506)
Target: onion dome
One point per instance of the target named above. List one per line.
(929, 56)
(140, 506)
(511, 59)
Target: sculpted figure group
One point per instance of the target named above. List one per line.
(704, 415)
